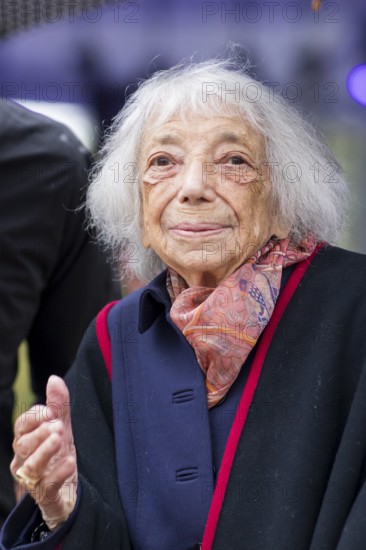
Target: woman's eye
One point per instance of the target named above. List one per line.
(161, 161)
(235, 160)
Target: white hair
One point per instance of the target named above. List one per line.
(309, 191)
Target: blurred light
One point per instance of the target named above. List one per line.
(315, 5)
(356, 83)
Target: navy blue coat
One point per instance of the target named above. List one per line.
(293, 472)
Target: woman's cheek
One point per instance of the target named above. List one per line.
(151, 179)
(157, 193)
(155, 175)
(155, 199)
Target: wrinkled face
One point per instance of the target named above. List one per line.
(205, 196)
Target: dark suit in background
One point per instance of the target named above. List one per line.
(53, 279)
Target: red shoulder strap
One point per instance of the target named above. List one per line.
(247, 397)
(103, 338)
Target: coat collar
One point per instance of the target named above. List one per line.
(154, 301)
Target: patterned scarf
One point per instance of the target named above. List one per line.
(223, 324)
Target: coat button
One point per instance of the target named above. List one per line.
(183, 396)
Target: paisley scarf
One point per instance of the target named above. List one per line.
(223, 324)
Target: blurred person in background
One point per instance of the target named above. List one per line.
(53, 278)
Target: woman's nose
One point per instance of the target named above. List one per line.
(197, 183)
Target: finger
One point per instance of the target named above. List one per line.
(29, 483)
(58, 398)
(26, 444)
(35, 467)
(31, 419)
(16, 463)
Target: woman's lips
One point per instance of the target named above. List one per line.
(199, 229)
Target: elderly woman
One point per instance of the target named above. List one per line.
(223, 404)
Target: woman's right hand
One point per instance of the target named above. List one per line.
(45, 456)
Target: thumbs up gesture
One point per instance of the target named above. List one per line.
(45, 456)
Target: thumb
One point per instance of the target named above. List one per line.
(57, 400)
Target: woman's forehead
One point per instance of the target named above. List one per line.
(214, 130)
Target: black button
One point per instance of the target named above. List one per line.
(183, 396)
(186, 474)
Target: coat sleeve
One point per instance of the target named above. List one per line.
(99, 522)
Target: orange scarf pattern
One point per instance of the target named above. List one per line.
(223, 324)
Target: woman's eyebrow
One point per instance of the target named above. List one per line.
(231, 137)
(166, 139)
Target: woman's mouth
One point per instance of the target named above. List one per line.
(198, 229)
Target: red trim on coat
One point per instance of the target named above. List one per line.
(247, 398)
(104, 341)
